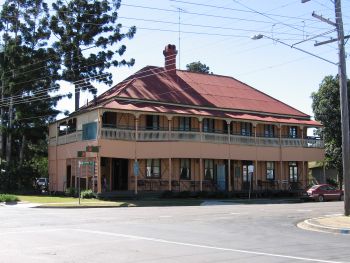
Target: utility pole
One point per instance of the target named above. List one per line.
(344, 106)
(344, 103)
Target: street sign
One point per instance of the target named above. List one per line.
(93, 149)
(81, 154)
(86, 163)
(136, 168)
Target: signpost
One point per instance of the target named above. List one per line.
(250, 177)
(136, 173)
(83, 163)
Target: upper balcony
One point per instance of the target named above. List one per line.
(148, 128)
(158, 135)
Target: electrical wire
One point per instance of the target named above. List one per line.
(235, 9)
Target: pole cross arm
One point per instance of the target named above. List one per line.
(260, 36)
(329, 41)
(328, 21)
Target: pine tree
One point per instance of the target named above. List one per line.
(28, 74)
(88, 33)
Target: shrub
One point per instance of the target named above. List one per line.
(87, 194)
(184, 194)
(332, 182)
(167, 194)
(203, 194)
(71, 192)
(8, 198)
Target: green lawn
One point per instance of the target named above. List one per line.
(54, 201)
(42, 199)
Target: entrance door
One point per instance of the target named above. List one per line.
(120, 174)
(221, 177)
(247, 172)
(68, 176)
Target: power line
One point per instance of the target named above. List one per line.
(280, 64)
(199, 14)
(235, 9)
(266, 15)
(190, 32)
(22, 100)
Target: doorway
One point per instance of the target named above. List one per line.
(247, 175)
(221, 177)
(120, 174)
(68, 176)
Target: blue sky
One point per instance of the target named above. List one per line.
(218, 33)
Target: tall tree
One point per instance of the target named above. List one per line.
(28, 74)
(198, 67)
(326, 108)
(87, 32)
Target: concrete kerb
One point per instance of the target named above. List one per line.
(314, 224)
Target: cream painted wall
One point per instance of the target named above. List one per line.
(91, 116)
(126, 149)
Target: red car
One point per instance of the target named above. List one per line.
(324, 192)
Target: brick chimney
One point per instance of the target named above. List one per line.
(170, 58)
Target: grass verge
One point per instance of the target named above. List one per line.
(56, 201)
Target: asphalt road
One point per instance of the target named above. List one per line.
(214, 233)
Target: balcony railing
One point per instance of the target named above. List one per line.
(220, 138)
(267, 141)
(117, 134)
(185, 136)
(239, 139)
(67, 138)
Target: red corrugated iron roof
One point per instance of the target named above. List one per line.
(212, 92)
(171, 109)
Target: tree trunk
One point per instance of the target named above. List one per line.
(21, 153)
(9, 135)
(1, 121)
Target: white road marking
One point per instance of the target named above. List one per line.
(235, 213)
(36, 230)
(165, 216)
(304, 210)
(204, 246)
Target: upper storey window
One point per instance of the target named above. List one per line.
(152, 122)
(208, 125)
(246, 129)
(184, 123)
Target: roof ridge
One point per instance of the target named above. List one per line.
(259, 91)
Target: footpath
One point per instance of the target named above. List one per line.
(337, 224)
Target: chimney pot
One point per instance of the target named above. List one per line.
(170, 58)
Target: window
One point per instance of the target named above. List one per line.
(89, 131)
(293, 171)
(246, 129)
(225, 127)
(208, 125)
(209, 169)
(247, 171)
(269, 130)
(109, 119)
(153, 168)
(293, 132)
(270, 170)
(152, 122)
(184, 123)
(185, 169)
